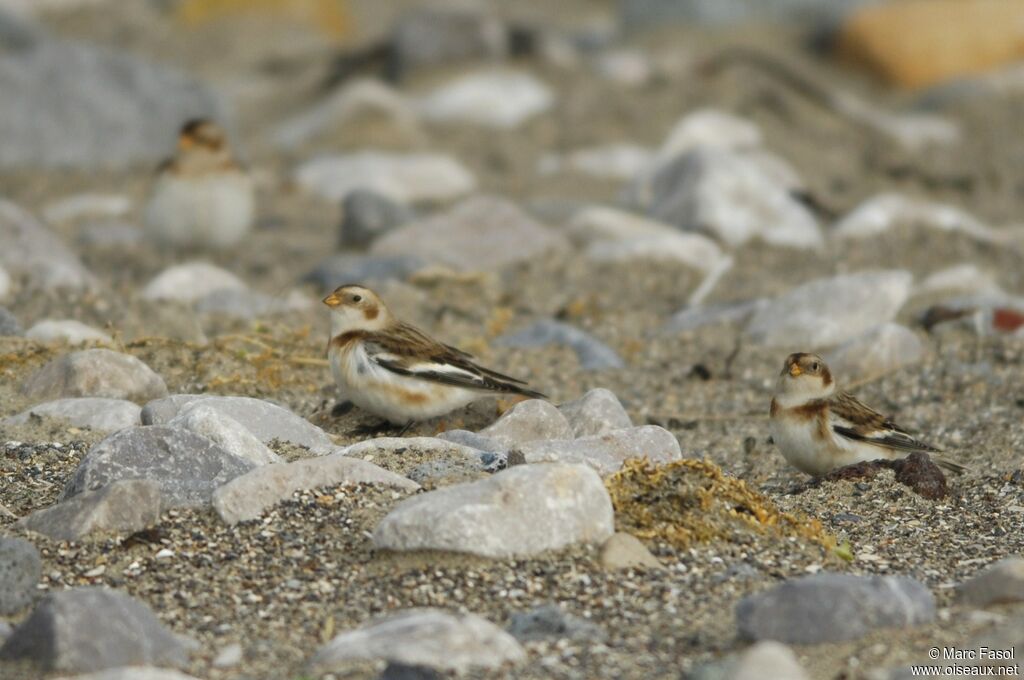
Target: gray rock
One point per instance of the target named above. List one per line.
(95, 373)
(20, 569)
(830, 311)
(31, 251)
(596, 412)
(228, 657)
(5, 631)
(730, 196)
(1000, 583)
(793, 613)
(132, 673)
(479, 234)
(190, 281)
(109, 234)
(124, 506)
(500, 99)
(187, 467)
(593, 354)
(625, 551)
(249, 304)
(90, 629)
(657, 13)
(402, 177)
(423, 637)
(5, 284)
(877, 352)
(95, 413)
(695, 317)
(880, 214)
(430, 36)
(66, 330)
(224, 431)
(68, 104)
(9, 325)
(761, 660)
(529, 421)
(401, 671)
(368, 216)
(265, 420)
(474, 440)
(604, 452)
(521, 511)
(87, 205)
(248, 496)
(342, 269)
(551, 622)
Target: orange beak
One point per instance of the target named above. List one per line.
(185, 142)
(795, 370)
(332, 300)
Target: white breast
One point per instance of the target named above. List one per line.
(799, 443)
(213, 209)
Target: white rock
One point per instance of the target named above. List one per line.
(77, 206)
(482, 233)
(438, 448)
(190, 282)
(529, 421)
(229, 656)
(694, 317)
(999, 583)
(881, 213)
(95, 373)
(363, 97)
(965, 279)
(596, 412)
(610, 161)
(767, 659)
(913, 131)
(5, 284)
(66, 330)
(248, 496)
(710, 128)
(498, 99)
(95, 413)
(225, 431)
(730, 196)
(522, 511)
(604, 452)
(625, 66)
(406, 178)
(211, 210)
(830, 311)
(130, 672)
(423, 637)
(877, 352)
(34, 253)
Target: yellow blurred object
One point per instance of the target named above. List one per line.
(329, 16)
(917, 43)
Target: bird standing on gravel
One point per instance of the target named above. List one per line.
(398, 372)
(818, 429)
(201, 197)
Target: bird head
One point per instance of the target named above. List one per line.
(804, 377)
(356, 308)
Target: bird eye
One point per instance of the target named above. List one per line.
(815, 366)
(357, 298)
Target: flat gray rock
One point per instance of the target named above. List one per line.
(341, 269)
(187, 466)
(497, 98)
(132, 673)
(248, 496)
(95, 413)
(593, 354)
(604, 452)
(190, 282)
(877, 352)
(830, 311)
(68, 104)
(267, 421)
(1000, 583)
(521, 511)
(551, 622)
(529, 421)
(423, 637)
(224, 431)
(65, 330)
(95, 373)
(402, 177)
(20, 569)
(90, 629)
(761, 660)
(124, 506)
(431, 36)
(793, 612)
(368, 216)
(596, 412)
(482, 233)
(625, 551)
(33, 252)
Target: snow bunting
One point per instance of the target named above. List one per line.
(818, 429)
(396, 371)
(201, 196)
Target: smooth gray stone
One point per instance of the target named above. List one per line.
(9, 325)
(267, 421)
(529, 421)
(95, 413)
(431, 36)
(342, 269)
(20, 569)
(657, 13)
(31, 251)
(830, 607)
(224, 431)
(188, 467)
(593, 354)
(606, 452)
(124, 506)
(369, 215)
(90, 629)
(999, 583)
(551, 622)
(95, 373)
(596, 412)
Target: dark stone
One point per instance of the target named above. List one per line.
(20, 569)
(550, 621)
(367, 215)
(917, 471)
(9, 324)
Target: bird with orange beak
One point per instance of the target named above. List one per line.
(819, 429)
(396, 371)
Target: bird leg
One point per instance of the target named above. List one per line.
(341, 408)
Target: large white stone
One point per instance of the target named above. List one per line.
(877, 352)
(224, 430)
(95, 373)
(604, 452)
(498, 99)
(66, 330)
(827, 312)
(406, 178)
(884, 212)
(96, 413)
(522, 511)
(190, 282)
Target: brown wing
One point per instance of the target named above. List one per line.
(854, 419)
